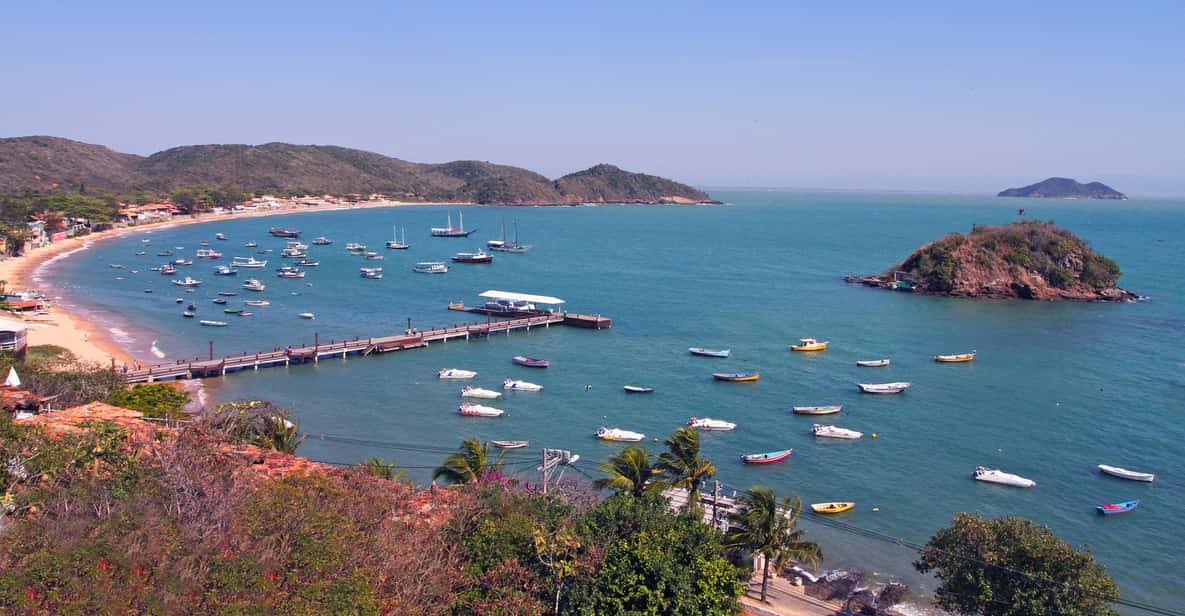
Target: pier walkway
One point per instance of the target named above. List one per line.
(411, 339)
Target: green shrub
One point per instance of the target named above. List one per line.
(157, 400)
(1060, 277)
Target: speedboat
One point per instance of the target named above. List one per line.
(477, 392)
(213, 323)
(736, 377)
(455, 373)
(189, 314)
(477, 410)
(872, 363)
(430, 267)
(634, 389)
(509, 444)
(998, 476)
(1123, 473)
(617, 434)
(256, 303)
(183, 262)
(708, 424)
(473, 257)
(883, 388)
(709, 352)
(838, 507)
(279, 232)
(450, 230)
(188, 282)
(953, 359)
(809, 344)
(520, 386)
(251, 244)
(252, 284)
(766, 458)
(822, 431)
(373, 273)
(225, 270)
(322, 241)
(818, 410)
(1117, 508)
(248, 263)
(220, 236)
(307, 315)
(531, 362)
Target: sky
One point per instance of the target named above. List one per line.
(942, 96)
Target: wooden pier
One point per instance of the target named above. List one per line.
(411, 339)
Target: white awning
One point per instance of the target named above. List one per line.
(522, 297)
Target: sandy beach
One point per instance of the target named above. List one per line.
(83, 337)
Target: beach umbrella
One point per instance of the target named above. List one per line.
(13, 380)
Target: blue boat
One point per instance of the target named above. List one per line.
(225, 270)
(1117, 508)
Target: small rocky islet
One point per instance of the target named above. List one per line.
(1064, 188)
(1022, 260)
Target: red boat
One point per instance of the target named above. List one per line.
(530, 362)
(766, 458)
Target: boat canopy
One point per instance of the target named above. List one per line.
(522, 297)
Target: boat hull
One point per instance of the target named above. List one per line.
(634, 389)
(531, 363)
(1117, 508)
(766, 458)
(509, 444)
(1124, 473)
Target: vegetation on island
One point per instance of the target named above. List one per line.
(1064, 188)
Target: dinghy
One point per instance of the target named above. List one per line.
(1123, 473)
(954, 359)
(839, 507)
(634, 389)
(1117, 508)
(477, 392)
(477, 410)
(617, 434)
(455, 373)
(706, 423)
(513, 385)
(736, 377)
(883, 388)
(992, 475)
(531, 362)
(822, 431)
(872, 363)
(709, 352)
(766, 458)
(818, 410)
(509, 444)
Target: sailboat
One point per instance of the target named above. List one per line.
(395, 244)
(450, 230)
(503, 246)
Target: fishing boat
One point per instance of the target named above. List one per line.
(256, 303)
(530, 362)
(307, 315)
(479, 257)
(355, 247)
(809, 344)
(822, 431)
(635, 389)
(711, 425)
(248, 263)
(477, 392)
(291, 273)
(373, 256)
(504, 246)
(296, 245)
(220, 236)
(227, 293)
(818, 410)
(617, 434)
(280, 232)
(220, 301)
(165, 253)
(189, 314)
(872, 363)
(766, 458)
(954, 359)
(455, 373)
(188, 282)
(394, 243)
(183, 262)
(225, 270)
(430, 267)
(232, 310)
(293, 253)
(709, 352)
(450, 230)
(306, 262)
(838, 507)
(736, 377)
(373, 273)
(167, 269)
(998, 476)
(322, 241)
(206, 253)
(512, 385)
(478, 410)
(509, 444)
(213, 323)
(883, 388)
(252, 284)
(1124, 473)
(251, 244)
(1117, 508)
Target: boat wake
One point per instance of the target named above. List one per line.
(120, 336)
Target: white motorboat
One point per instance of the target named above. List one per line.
(617, 434)
(307, 315)
(355, 247)
(706, 423)
(884, 388)
(455, 373)
(1124, 473)
(257, 303)
(818, 410)
(188, 282)
(513, 385)
(248, 263)
(477, 392)
(992, 475)
(213, 323)
(823, 431)
(253, 284)
(430, 267)
(478, 410)
(290, 273)
(872, 363)
(511, 444)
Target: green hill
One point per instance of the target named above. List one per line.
(1064, 188)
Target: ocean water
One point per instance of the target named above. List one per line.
(1058, 388)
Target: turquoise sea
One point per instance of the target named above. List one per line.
(1058, 388)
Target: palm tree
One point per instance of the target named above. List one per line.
(378, 467)
(764, 525)
(471, 462)
(629, 470)
(682, 464)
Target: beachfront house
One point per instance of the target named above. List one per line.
(14, 336)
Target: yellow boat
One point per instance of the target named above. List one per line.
(809, 344)
(832, 507)
(736, 377)
(953, 359)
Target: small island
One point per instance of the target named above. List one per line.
(1023, 260)
(1064, 188)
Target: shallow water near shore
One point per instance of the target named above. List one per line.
(1058, 388)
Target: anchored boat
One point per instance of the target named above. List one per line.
(479, 257)
(884, 388)
(709, 352)
(954, 359)
(530, 362)
(280, 232)
(430, 267)
(766, 458)
(504, 246)
(872, 363)
(617, 434)
(634, 389)
(736, 377)
(477, 392)
(818, 410)
(509, 444)
(838, 507)
(395, 244)
(992, 475)
(512, 385)
(1123, 473)
(822, 431)
(477, 410)
(809, 344)
(455, 373)
(1117, 508)
(708, 424)
(450, 230)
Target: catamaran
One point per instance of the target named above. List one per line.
(395, 244)
(450, 230)
(504, 246)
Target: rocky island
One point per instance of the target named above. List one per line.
(1024, 260)
(1064, 188)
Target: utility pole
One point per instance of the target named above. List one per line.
(211, 350)
(715, 502)
(543, 469)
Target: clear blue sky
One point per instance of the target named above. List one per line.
(902, 95)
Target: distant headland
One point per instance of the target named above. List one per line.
(1024, 260)
(1064, 188)
(61, 165)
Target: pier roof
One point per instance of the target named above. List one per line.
(522, 297)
